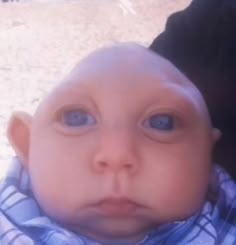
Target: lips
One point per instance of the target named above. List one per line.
(117, 206)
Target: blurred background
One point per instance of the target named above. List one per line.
(41, 40)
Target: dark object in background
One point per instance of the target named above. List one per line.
(201, 42)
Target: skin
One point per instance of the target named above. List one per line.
(115, 177)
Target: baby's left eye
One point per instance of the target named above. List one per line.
(78, 118)
(162, 122)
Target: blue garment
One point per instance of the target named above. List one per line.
(23, 223)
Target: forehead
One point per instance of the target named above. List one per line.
(125, 66)
(127, 70)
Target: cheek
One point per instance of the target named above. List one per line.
(179, 178)
(59, 170)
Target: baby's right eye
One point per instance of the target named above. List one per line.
(77, 118)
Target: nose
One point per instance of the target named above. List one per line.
(117, 151)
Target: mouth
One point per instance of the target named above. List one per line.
(117, 206)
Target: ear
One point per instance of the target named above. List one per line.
(18, 134)
(216, 134)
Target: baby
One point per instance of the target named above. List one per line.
(118, 154)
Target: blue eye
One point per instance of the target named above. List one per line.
(161, 122)
(77, 118)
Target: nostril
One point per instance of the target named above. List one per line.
(103, 164)
(128, 166)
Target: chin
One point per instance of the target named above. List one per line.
(115, 232)
(117, 236)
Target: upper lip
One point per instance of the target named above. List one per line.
(117, 203)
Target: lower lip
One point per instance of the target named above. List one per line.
(117, 208)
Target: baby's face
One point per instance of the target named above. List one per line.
(122, 146)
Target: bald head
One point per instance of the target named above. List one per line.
(130, 56)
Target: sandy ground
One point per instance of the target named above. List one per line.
(40, 42)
